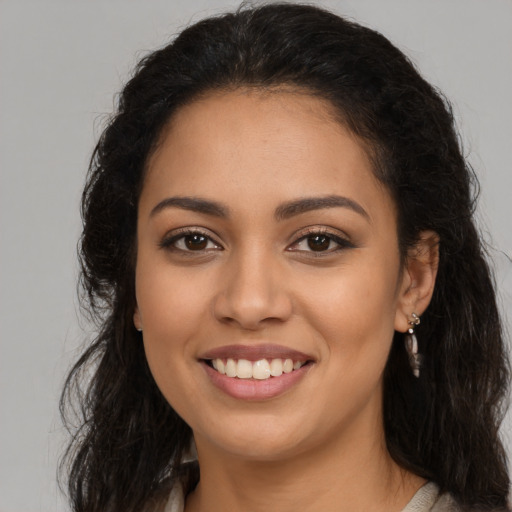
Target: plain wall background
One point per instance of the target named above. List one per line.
(61, 63)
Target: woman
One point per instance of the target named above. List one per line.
(278, 201)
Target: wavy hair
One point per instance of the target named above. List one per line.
(127, 448)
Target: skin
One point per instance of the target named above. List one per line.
(319, 445)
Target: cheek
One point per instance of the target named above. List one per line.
(353, 308)
(171, 308)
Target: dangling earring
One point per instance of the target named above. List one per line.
(411, 345)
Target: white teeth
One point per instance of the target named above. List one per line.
(231, 368)
(260, 370)
(276, 367)
(244, 369)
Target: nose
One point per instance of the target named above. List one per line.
(253, 292)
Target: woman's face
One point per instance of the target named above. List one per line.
(264, 237)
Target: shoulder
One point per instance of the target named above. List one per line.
(428, 499)
(445, 503)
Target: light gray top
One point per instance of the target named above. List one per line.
(427, 499)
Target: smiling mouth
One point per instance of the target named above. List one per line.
(261, 369)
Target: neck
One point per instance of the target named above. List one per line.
(352, 473)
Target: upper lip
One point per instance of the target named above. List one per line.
(255, 353)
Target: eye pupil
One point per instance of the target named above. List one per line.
(318, 242)
(196, 242)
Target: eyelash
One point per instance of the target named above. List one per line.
(169, 242)
(342, 242)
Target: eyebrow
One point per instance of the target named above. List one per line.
(307, 204)
(282, 212)
(194, 204)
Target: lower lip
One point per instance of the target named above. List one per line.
(254, 389)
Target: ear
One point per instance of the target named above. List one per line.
(137, 322)
(418, 279)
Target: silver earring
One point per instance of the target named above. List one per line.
(139, 329)
(411, 345)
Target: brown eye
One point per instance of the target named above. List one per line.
(190, 241)
(319, 242)
(195, 242)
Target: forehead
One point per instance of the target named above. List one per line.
(263, 146)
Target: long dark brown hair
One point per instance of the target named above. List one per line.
(127, 447)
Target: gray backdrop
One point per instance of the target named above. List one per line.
(61, 63)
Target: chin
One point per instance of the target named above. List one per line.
(257, 440)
